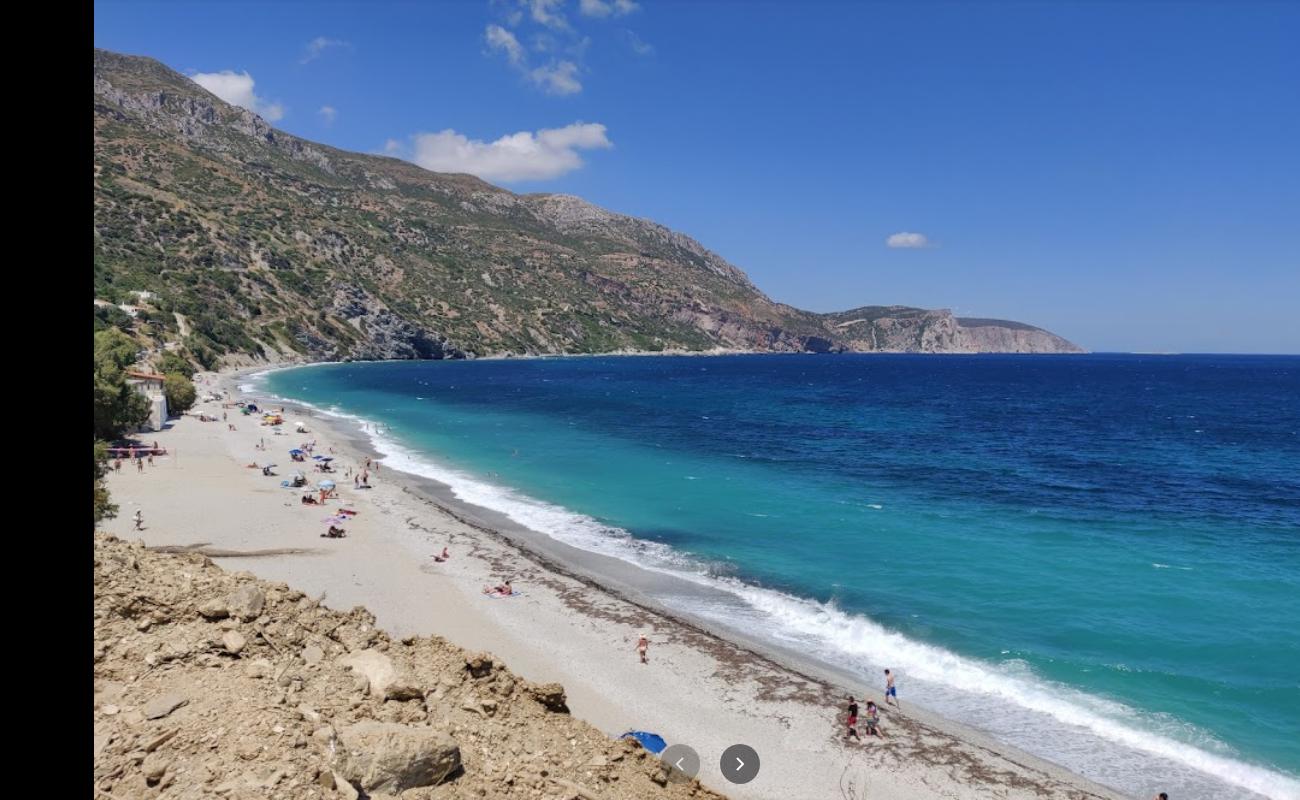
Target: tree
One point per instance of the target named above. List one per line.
(179, 391)
(173, 362)
(103, 508)
(118, 407)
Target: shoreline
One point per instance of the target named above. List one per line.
(776, 693)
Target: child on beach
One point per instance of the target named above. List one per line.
(139, 519)
(445, 555)
(853, 720)
(873, 720)
(642, 645)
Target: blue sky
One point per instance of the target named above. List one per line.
(1124, 174)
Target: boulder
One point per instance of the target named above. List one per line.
(311, 655)
(214, 609)
(403, 688)
(377, 668)
(390, 758)
(479, 665)
(233, 642)
(246, 602)
(163, 705)
(550, 695)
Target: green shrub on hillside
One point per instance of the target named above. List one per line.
(174, 362)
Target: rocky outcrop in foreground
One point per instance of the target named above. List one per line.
(212, 684)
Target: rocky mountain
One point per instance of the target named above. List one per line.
(218, 233)
(902, 329)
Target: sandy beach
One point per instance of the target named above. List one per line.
(698, 688)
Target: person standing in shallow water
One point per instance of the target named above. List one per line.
(890, 689)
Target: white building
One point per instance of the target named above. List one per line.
(150, 384)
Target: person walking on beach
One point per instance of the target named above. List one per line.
(139, 464)
(890, 689)
(117, 465)
(139, 520)
(853, 720)
(642, 645)
(151, 459)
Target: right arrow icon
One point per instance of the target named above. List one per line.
(739, 763)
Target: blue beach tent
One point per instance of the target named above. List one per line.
(650, 741)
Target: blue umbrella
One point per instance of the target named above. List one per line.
(650, 741)
(326, 484)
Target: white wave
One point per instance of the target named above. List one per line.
(837, 634)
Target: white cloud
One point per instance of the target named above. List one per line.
(319, 45)
(236, 88)
(606, 8)
(328, 114)
(523, 156)
(503, 41)
(639, 47)
(557, 78)
(540, 11)
(907, 240)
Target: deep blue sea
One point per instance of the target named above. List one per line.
(1096, 557)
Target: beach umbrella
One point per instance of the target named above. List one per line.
(650, 741)
(326, 484)
(295, 452)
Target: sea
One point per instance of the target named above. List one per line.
(1095, 558)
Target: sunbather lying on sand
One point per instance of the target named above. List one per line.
(504, 590)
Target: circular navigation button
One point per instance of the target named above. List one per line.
(682, 762)
(739, 763)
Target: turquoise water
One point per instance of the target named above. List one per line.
(1094, 557)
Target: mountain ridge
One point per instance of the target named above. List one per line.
(257, 245)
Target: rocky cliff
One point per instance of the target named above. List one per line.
(209, 684)
(901, 329)
(257, 245)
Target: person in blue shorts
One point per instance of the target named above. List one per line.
(890, 689)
